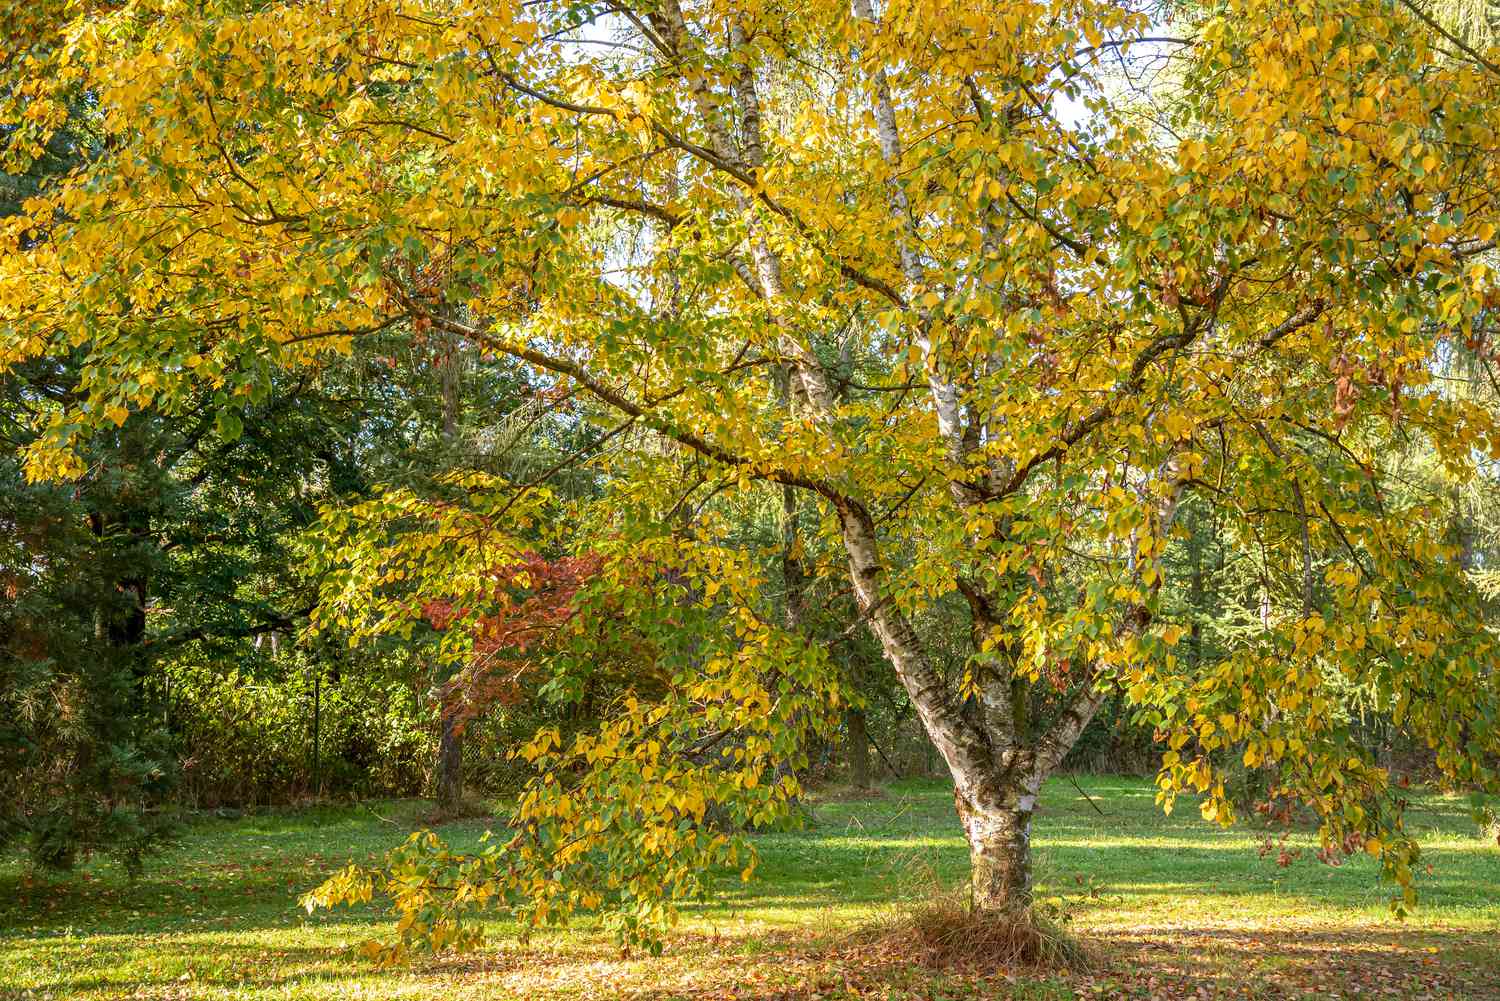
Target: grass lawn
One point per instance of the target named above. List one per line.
(1175, 907)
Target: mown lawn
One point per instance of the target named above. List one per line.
(1173, 906)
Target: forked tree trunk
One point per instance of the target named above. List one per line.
(996, 771)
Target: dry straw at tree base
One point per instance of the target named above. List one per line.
(934, 923)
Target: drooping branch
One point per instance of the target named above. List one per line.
(642, 411)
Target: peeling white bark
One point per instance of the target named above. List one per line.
(944, 395)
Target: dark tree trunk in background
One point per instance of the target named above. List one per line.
(317, 733)
(858, 749)
(1195, 593)
(793, 571)
(450, 770)
(124, 625)
(450, 759)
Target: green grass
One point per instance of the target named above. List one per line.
(1175, 908)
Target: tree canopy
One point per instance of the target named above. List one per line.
(980, 315)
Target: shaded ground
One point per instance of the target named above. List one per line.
(1174, 907)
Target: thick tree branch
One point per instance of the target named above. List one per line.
(1453, 39)
(631, 408)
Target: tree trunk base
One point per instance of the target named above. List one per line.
(999, 855)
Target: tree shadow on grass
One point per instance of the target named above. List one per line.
(210, 922)
(1274, 963)
(1180, 960)
(192, 966)
(798, 873)
(1196, 963)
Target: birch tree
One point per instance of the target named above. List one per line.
(910, 265)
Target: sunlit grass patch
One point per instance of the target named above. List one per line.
(1169, 901)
